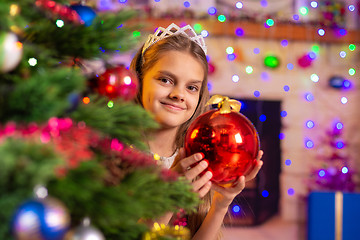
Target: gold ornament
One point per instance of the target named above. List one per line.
(225, 104)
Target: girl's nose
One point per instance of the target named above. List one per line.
(177, 94)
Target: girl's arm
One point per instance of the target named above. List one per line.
(221, 200)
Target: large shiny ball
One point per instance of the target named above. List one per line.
(118, 82)
(41, 219)
(229, 142)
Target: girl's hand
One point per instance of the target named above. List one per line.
(223, 196)
(185, 166)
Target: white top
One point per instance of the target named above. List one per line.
(166, 162)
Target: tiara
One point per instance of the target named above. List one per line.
(162, 33)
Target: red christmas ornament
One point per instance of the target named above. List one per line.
(118, 82)
(227, 138)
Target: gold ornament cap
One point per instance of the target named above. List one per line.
(225, 104)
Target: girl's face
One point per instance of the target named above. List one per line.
(171, 88)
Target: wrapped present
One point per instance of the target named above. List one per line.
(333, 216)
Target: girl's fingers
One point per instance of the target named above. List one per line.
(192, 173)
(205, 189)
(199, 183)
(257, 167)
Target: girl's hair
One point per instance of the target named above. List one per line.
(142, 62)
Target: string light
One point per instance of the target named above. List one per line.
(249, 69)
(321, 32)
(239, 5)
(287, 162)
(32, 62)
(221, 18)
(59, 23)
(212, 10)
(310, 124)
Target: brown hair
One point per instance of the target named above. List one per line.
(142, 62)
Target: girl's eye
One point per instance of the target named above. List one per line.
(164, 80)
(193, 88)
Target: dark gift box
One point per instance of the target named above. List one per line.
(334, 216)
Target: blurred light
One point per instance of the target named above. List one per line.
(197, 27)
(351, 8)
(314, 4)
(256, 50)
(110, 104)
(310, 124)
(271, 61)
(262, 118)
(265, 193)
(59, 23)
(239, 5)
(342, 54)
(229, 50)
(309, 144)
(290, 66)
(264, 76)
(321, 32)
(321, 173)
(235, 78)
(344, 100)
(314, 77)
(291, 191)
(122, 1)
(342, 32)
(281, 136)
(239, 32)
(263, 3)
(136, 34)
(286, 88)
(212, 10)
(309, 97)
(209, 85)
(339, 125)
(344, 170)
(204, 33)
(32, 62)
(284, 43)
(14, 9)
(352, 71)
(221, 18)
(249, 69)
(287, 162)
(236, 208)
(86, 100)
(283, 113)
(186, 4)
(340, 145)
(270, 22)
(296, 17)
(256, 93)
(231, 57)
(352, 47)
(303, 11)
(312, 55)
(346, 84)
(315, 48)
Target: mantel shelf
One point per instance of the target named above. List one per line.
(255, 30)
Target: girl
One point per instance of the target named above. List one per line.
(172, 70)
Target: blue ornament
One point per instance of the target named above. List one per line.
(87, 14)
(336, 82)
(40, 219)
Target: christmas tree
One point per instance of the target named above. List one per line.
(333, 171)
(71, 136)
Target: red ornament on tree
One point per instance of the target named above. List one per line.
(118, 82)
(227, 138)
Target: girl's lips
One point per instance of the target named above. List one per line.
(172, 106)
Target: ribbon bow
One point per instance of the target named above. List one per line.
(225, 104)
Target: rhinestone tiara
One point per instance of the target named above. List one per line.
(162, 33)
